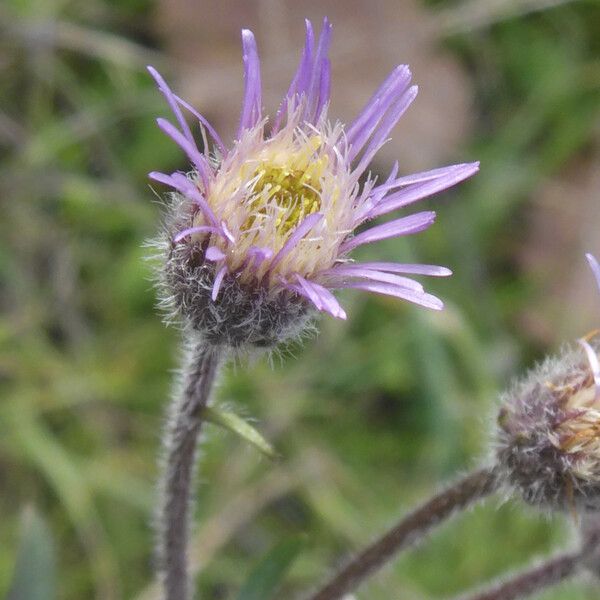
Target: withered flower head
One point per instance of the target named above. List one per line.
(549, 428)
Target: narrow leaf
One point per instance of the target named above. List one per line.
(237, 425)
(35, 570)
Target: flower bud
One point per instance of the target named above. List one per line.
(548, 442)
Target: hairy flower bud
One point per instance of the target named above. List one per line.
(243, 315)
(549, 432)
(548, 442)
(259, 234)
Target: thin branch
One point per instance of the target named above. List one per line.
(408, 531)
(549, 572)
(531, 581)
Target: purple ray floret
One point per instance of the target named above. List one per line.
(251, 108)
(595, 267)
(276, 210)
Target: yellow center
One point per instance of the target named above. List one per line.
(286, 186)
(290, 195)
(265, 190)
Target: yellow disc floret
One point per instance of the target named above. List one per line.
(291, 194)
(265, 189)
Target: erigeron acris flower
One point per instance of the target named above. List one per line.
(261, 232)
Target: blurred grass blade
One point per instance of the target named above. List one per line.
(266, 577)
(237, 425)
(57, 466)
(35, 570)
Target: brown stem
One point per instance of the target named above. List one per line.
(408, 531)
(532, 581)
(551, 572)
(180, 447)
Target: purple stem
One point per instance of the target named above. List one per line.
(409, 531)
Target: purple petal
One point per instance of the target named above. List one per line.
(215, 136)
(197, 158)
(293, 240)
(404, 226)
(294, 287)
(423, 299)
(387, 124)
(422, 177)
(595, 267)
(227, 233)
(389, 181)
(182, 184)
(261, 254)
(364, 125)
(302, 77)
(214, 254)
(306, 66)
(325, 88)
(319, 82)
(310, 293)
(377, 193)
(322, 298)
(218, 281)
(252, 106)
(354, 271)
(191, 230)
(255, 257)
(329, 301)
(172, 101)
(161, 178)
(418, 191)
(373, 106)
(432, 270)
(186, 187)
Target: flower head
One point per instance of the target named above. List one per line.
(549, 434)
(261, 232)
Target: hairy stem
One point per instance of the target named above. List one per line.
(409, 530)
(532, 581)
(180, 447)
(550, 572)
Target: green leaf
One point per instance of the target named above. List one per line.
(237, 425)
(35, 571)
(268, 574)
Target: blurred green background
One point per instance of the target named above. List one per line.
(369, 416)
